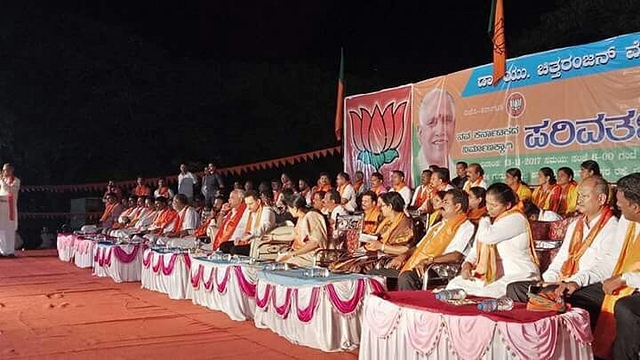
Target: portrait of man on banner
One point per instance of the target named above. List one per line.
(435, 129)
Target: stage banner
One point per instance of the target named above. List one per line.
(378, 133)
(553, 109)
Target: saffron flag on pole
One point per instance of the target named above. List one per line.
(340, 100)
(496, 32)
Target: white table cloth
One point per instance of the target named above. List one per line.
(390, 331)
(65, 246)
(223, 286)
(166, 272)
(121, 262)
(323, 313)
(83, 252)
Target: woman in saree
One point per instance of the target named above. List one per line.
(394, 237)
(310, 233)
(503, 252)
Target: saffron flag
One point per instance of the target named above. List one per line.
(496, 31)
(340, 100)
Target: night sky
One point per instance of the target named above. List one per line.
(113, 88)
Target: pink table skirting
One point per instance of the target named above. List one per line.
(391, 331)
(83, 252)
(122, 263)
(229, 288)
(326, 317)
(166, 273)
(65, 246)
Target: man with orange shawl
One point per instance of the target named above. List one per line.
(589, 235)
(445, 242)
(232, 223)
(609, 290)
(112, 210)
(177, 233)
(504, 251)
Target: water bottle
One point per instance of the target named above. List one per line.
(453, 294)
(490, 305)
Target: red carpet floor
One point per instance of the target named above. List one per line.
(53, 310)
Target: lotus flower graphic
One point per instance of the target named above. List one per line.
(377, 135)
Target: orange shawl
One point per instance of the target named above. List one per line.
(547, 199)
(577, 247)
(108, 210)
(228, 226)
(422, 194)
(371, 220)
(434, 243)
(468, 185)
(629, 260)
(163, 219)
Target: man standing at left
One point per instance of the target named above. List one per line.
(186, 181)
(9, 187)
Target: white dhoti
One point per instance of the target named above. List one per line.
(8, 227)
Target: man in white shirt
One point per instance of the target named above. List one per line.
(589, 235)
(454, 227)
(454, 230)
(260, 221)
(475, 177)
(186, 182)
(347, 192)
(399, 186)
(182, 226)
(333, 207)
(609, 289)
(423, 191)
(9, 189)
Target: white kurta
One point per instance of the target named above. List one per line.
(8, 215)
(606, 262)
(511, 237)
(405, 192)
(349, 194)
(599, 245)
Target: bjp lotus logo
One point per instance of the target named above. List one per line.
(377, 135)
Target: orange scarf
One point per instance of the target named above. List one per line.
(468, 185)
(202, 230)
(141, 190)
(523, 192)
(421, 195)
(386, 227)
(305, 192)
(434, 243)
(177, 226)
(371, 220)
(139, 214)
(325, 188)
(163, 219)
(548, 199)
(378, 190)
(342, 187)
(565, 198)
(126, 213)
(228, 226)
(629, 260)
(578, 247)
(399, 187)
(108, 210)
(163, 191)
(476, 214)
(487, 265)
